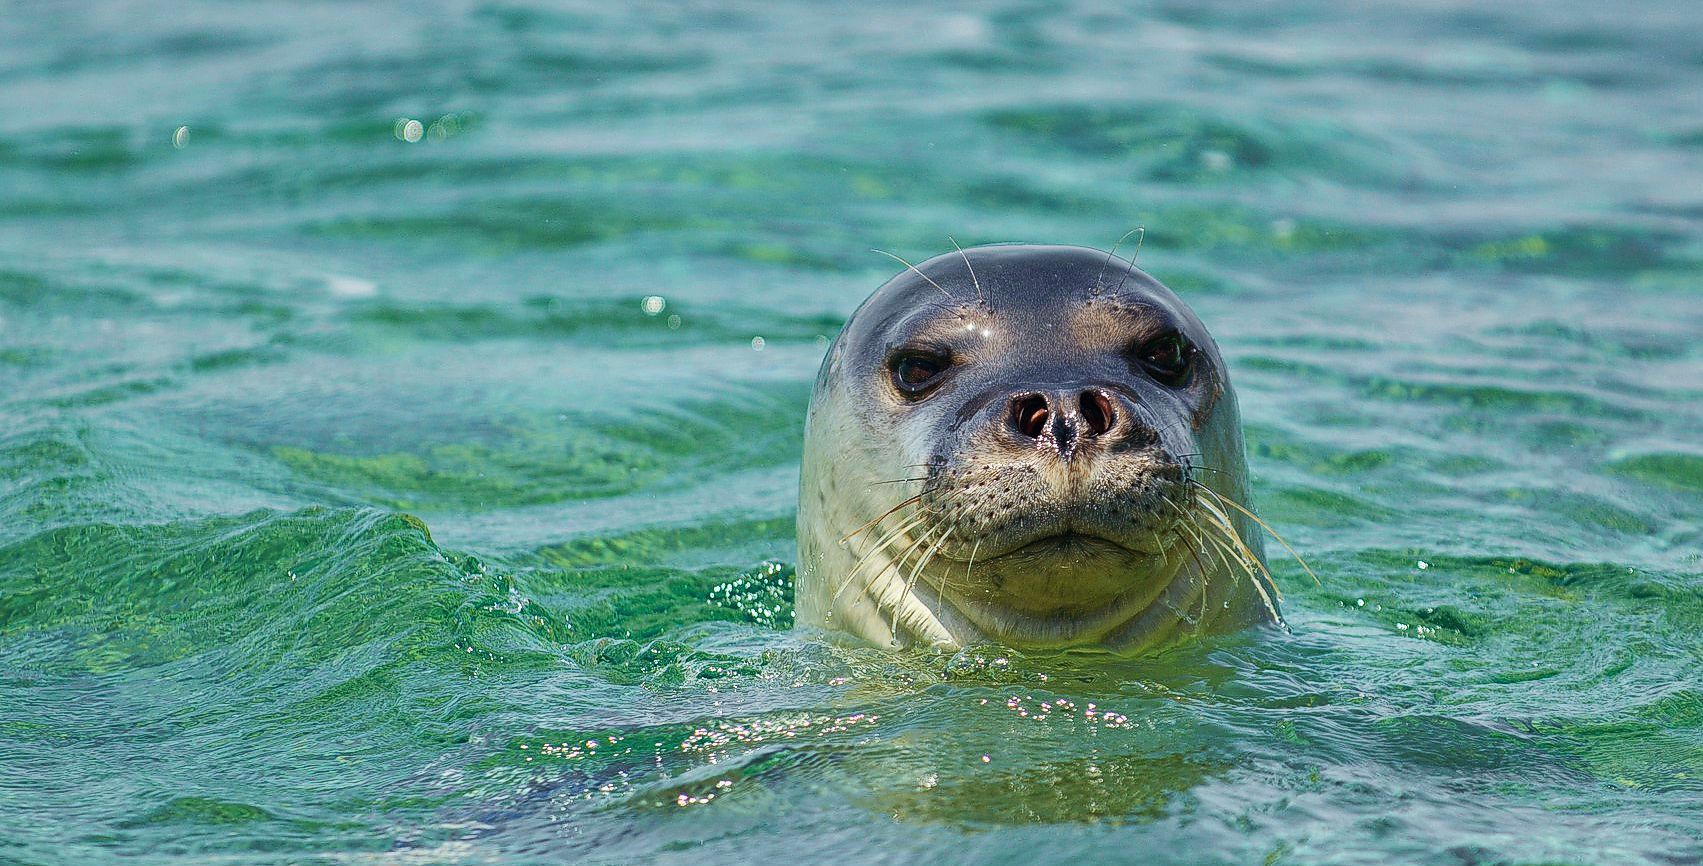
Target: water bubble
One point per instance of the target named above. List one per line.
(408, 129)
(1422, 564)
(653, 304)
(444, 127)
(757, 343)
(674, 323)
(180, 137)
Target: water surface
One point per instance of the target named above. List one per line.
(356, 506)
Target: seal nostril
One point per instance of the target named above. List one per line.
(1029, 415)
(1097, 413)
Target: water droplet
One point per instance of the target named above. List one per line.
(653, 304)
(757, 343)
(180, 138)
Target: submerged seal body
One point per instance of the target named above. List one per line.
(1036, 446)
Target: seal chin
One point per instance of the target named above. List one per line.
(1062, 590)
(1065, 574)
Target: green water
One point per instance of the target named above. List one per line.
(355, 509)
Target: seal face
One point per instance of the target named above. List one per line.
(1031, 445)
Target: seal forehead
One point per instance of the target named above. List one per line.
(1045, 283)
(1044, 302)
(1031, 274)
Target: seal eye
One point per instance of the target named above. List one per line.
(1168, 359)
(917, 372)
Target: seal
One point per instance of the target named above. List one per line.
(1036, 446)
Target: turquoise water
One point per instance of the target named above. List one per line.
(355, 508)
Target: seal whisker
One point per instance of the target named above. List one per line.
(1263, 525)
(1232, 543)
(1211, 532)
(1222, 523)
(1265, 598)
(1194, 551)
(916, 570)
(913, 522)
(910, 523)
(1205, 584)
(894, 564)
(882, 516)
(911, 612)
(923, 562)
(1113, 254)
(1190, 526)
(1136, 255)
(1215, 529)
(971, 567)
(1224, 554)
(917, 272)
(1189, 466)
(987, 301)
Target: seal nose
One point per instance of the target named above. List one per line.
(1098, 413)
(1029, 415)
(1063, 417)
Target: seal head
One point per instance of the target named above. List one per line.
(1031, 445)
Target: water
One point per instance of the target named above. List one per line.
(356, 508)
